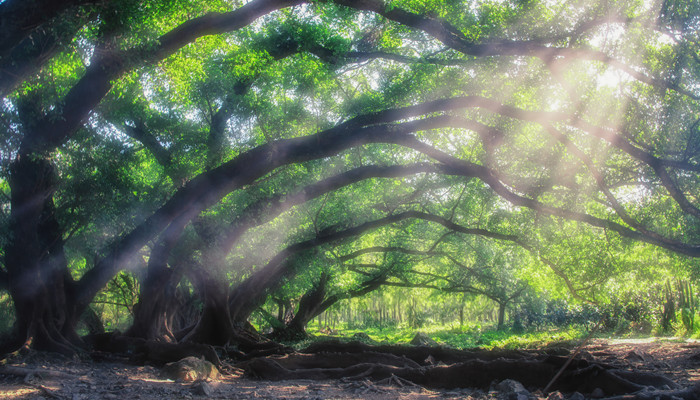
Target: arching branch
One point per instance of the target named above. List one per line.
(210, 187)
(455, 39)
(53, 130)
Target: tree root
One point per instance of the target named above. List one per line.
(472, 374)
(420, 354)
(296, 361)
(140, 350)
(394, 380)
(29, 372)
(691, 393)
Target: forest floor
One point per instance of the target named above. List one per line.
(46, 376)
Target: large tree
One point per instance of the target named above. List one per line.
(196, 111)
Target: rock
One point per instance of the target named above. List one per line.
(202, 388)
(190, 369)
(635, 356)
(422, 339)
(512, 390)
(597, 393)
(577, 396)
(555, 396)
(511, 386)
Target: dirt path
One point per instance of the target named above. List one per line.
(42, 376)
(678, 359)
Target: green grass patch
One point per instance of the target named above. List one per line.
(460, 338)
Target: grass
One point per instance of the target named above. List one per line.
(462, 338)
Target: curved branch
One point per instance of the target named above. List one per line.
(461, 229)
(489, 177)
(281, 265)
(387, 249)
(53, 130)
(539, 117)
(210, 187)
(19, 18)
(268, 209)
(661, 172)
(546, 119)
(455, 39)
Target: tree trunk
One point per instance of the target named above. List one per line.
(501, 315)
(154, 311)
(215, 326)
(312, 304)
(39, 281)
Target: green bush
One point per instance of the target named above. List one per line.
(7, 313)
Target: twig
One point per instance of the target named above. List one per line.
(571, 357)
(399, 381)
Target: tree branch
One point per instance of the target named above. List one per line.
(53, 130)
(455, 39)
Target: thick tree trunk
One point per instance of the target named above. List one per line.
(154, 312)
(311, 305)
(39, 282)
(215, 326)
(315, 303)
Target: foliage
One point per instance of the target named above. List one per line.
(7, 317)
(470, 337)
(532, 160)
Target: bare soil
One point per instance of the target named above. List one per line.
(46, 376)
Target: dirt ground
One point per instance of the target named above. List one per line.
(43, 376)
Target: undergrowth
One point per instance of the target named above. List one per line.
(456, 337)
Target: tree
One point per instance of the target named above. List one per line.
(511, 95)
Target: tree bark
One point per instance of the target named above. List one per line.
(39, 282)
(153, 312)
(468, 374)
(215, 326)
(310, 305)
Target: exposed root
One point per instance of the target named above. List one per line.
(361, 375)
(25, 349)
(691, 393)
(583, 377)
(394, 380)
(28, 373)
